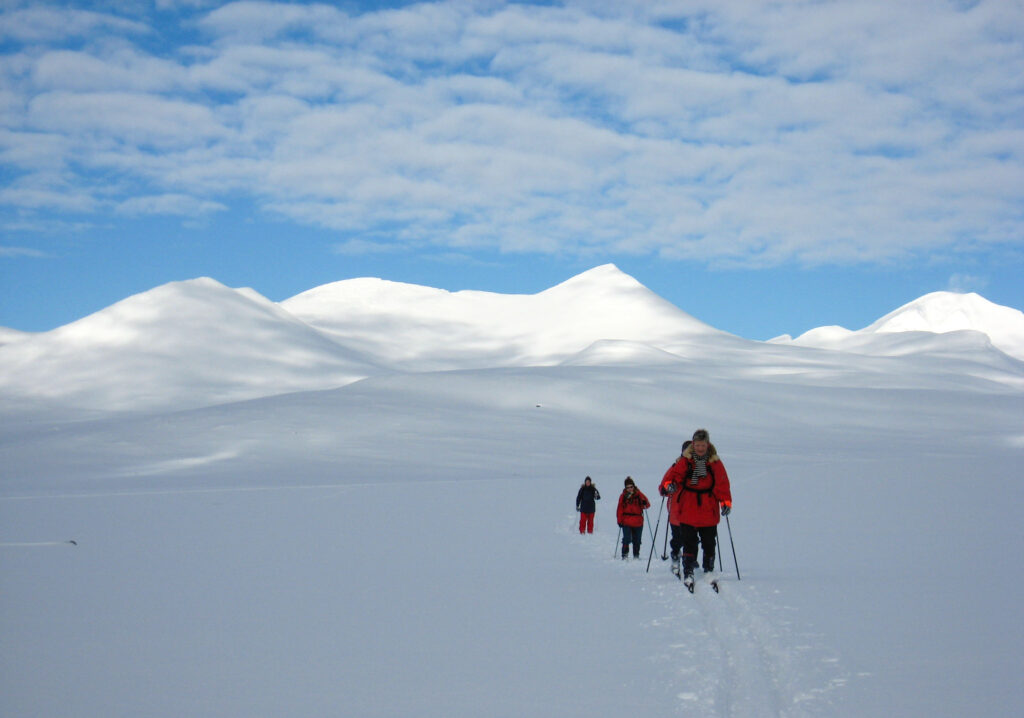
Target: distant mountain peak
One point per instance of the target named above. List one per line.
(180, 345)
(604, 276)
(430, 329)
(600, 272)
(939, 313)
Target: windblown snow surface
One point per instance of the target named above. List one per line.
(405, 544)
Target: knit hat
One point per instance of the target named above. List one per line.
(701, 435)
(629, 482)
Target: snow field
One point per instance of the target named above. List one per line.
(717, 653)
(405, 544)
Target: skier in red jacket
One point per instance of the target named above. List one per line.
(697, 487)
(630, 515)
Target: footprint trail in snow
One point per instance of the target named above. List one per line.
(738, 653)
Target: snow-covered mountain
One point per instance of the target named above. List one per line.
(942, 312)
(182, 344)
(10, 336)
(966, 322)
(418, 328)
(199, 343)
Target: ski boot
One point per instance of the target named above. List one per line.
(688, 565)
(675, 566)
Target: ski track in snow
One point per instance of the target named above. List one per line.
(735, 653)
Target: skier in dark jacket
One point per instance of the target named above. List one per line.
(586, 504)
(630, 515)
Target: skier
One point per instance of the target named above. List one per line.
(586, 499)
(630, 515)
(697, 487)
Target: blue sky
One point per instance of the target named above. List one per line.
(768, 167)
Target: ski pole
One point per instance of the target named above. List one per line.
(729, 526)
(664, 549)
(718, 552)
(654, 538)
(647, 521)
(615, 551)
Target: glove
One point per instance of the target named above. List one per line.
(726, 509)
(577, 508)
(669, 490)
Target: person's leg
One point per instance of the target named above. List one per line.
(676, 544)
(708, 534)
(690, 540)
(677, 540)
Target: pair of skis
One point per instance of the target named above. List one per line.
(691, 584)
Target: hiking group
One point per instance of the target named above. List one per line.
(696, 489)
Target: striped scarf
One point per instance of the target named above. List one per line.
(700, 469)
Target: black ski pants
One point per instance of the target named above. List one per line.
(687, 537)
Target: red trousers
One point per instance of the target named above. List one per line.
(586, 523)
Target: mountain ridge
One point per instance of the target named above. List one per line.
(164, 347)
(489, 329)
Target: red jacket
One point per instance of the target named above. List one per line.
(631, 509)
(696, 504)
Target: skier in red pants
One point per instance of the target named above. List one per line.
(586, 499)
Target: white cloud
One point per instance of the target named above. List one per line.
(122, 118)
(47, 24)
(178, 4)
(21, 252)
(174, 204)
(249, 21)
(361, 246)
(965, 283)
(44, 198)
(119, 70)
(736, 131)
(40, 224)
